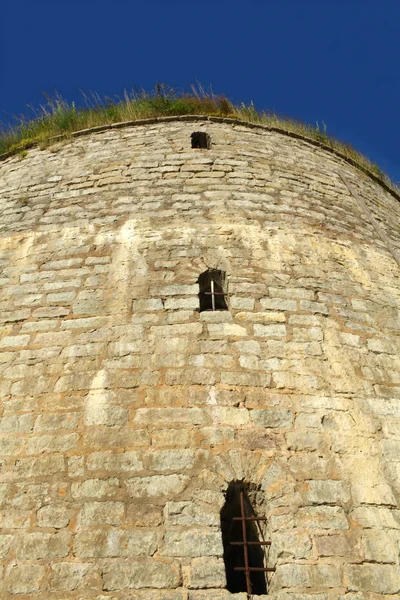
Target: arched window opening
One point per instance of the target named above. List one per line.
(212, 293)
(201, 139)
(244, 551)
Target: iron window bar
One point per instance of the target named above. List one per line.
(247, 569)
(213, 293)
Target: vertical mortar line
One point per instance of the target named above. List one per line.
(385, 239)
(245, 549)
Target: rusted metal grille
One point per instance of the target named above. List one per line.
(246, 543)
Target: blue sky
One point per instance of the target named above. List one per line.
(332, 61)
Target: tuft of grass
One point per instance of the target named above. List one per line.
(56, 117)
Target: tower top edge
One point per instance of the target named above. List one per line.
(222, 120)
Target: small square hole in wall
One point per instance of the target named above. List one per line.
(201, 139)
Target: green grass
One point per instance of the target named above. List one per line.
(57, 117)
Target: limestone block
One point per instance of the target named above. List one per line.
(246, 379)
(295, 575)
(6, 541)
(174, 460)
(53, 515)
(269, 330)
(143, 515)
(292, 543)
(103, 543)
(207, 573)
(31, 546)
(99, 513)
(25, 578)
(52, 443)
(38, 467)
(141, 574)
(339, 545)
(379, 547)
(99, 412)
(278, 304)
(271, 418)
(95, 488)
(67, 577)
(14, 341)
(325, 491)
(322, 517)
(49, 422)
(156, 485)
(304, 440)
(188, 513)
(381, 579)
(164, 416)
(192, 543)
(114, 462)
(221, 330)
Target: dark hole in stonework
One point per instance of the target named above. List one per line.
(232, 539)
(201, 139)
(211, 290)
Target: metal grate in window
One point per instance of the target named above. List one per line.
(211, 290)
(247, 569)
(244, 544)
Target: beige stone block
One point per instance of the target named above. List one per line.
(192, 543)
(156, 486)
(207, 573)
(306, 576)
(39, 467)
(67, 577)
(52, 443)
(25, 579)
(217, 330)
(269, 330)
(163, 574)
(325, 491)
(379, 579)
(322, 517)
(95, 488)
(6, 541)
(115, 462)
(164, 416)
(33, 546)
(53, 515)
(101, 513)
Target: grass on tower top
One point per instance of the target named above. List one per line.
(58, 117)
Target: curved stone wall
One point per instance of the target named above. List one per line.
(126, 412)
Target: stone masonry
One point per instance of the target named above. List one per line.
(126, 412)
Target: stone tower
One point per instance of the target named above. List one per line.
(186, 331)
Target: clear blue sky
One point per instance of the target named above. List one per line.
(335, 61)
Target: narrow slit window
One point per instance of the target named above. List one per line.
(201, 139)
(244, 543)
(212, 293)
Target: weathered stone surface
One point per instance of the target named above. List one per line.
(126, 412)
(207, 573)
(381, 579)
(25, 579)
(192, 542)
(113, 543)
(67, 577)
(141, 574)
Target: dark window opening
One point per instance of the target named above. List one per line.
(211, 290)
(244, 552)
(201, 139)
